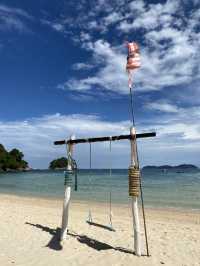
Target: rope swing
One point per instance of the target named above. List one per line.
(89, 219)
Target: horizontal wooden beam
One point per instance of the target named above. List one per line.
(100, 139)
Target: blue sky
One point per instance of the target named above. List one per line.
(62, 71)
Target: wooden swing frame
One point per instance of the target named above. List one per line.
(67, 195)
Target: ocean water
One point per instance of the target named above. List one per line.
(170, 189)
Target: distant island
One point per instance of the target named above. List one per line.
(169, 167)
(12, 160)
(59, 163)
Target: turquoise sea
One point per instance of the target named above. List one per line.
(170, 189)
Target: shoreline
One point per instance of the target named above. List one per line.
(115, 205)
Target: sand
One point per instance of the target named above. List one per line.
(29, 233)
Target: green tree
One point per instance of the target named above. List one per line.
(18, 155)
(11, 160)
(2, 149)
(11, 163)
(58, 163)
(3, 155)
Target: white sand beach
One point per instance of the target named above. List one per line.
(29, 232)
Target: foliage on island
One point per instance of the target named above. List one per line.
(59, 163)
(11, 160)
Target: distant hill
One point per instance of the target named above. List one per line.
(168, 167)
(186, 166)
(12, 160)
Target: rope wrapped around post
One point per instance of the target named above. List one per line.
(68, 178)
(70, 172)
(134, 181)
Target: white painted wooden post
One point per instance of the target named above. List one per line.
(135, 212)
(67, 195)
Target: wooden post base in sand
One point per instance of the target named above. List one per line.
(65, 215)
(136, 226)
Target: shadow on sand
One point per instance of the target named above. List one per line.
(54, 243)
(97, 245)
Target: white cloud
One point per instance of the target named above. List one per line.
(55, 25)
(58, 27)
(35, 138)
(85, 36)
(16, 11)
(13, 19)
(137, 6)
(169, 56)
(112, 18)
(182, 124)
(162, 106)
(151, 16)
(160, 68)
(112, 76)
(184, 131)
(82, 66)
